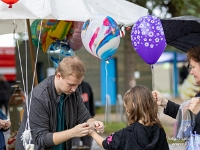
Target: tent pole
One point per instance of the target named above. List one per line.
(31, 51)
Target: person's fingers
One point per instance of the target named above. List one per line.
(100, 129)
(85, 125)
(83, 132)
(96, 124)
(2, 125)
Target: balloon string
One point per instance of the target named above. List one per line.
(59, 52)
(152, 72)
(106, 97)
(20, 62)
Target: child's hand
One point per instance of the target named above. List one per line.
(99, 126)
(91, 131)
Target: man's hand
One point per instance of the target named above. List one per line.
(81, 130)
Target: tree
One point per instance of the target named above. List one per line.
(173, 7)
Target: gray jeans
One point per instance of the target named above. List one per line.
(86, 140)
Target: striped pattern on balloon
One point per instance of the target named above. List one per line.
(101, 36)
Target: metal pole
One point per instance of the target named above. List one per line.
(31, 51)
(175, 75)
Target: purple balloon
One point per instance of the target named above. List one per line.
(148, 38)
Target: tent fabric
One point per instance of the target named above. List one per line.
(182, 32)
(75, 10)
(169, 57)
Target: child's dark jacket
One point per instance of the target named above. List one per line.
(137, 137)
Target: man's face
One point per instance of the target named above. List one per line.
(68, 84)
(195, 71)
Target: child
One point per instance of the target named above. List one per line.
(144, 130)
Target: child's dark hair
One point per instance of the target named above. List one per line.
(140, 105)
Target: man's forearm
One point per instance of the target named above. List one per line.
(60, 137)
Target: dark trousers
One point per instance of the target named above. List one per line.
(87, 141)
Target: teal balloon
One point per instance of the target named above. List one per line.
(57, 51)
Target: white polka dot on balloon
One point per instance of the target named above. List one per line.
(147, 36)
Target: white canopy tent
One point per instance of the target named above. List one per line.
(123, 12)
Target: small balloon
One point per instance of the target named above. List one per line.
(148, 38)
(10, 2)
(49, 31)
(57, 51)
(55, 30)
(101, 36)
(37, 30)
(74, 38)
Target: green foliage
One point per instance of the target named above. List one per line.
(173, 7)
(169, 133)
(182, 7)
(99, 110)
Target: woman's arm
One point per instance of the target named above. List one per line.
(170, 108)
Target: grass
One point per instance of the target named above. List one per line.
(169, 134)
(101, 109)
(113, 127)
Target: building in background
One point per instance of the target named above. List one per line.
(8, 63)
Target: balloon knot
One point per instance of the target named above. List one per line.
(122, 31)
(128, 28)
